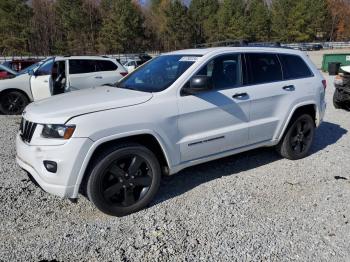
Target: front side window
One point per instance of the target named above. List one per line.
(223, 71)
(158, 74)
(45, 68)
(263, 68)
(294, 67)
(81, 66)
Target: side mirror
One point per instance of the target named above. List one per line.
(198, 84)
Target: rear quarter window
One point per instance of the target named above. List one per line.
(106, 65)
(294, 67)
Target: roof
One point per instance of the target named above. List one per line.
(205, 51)
(82, 57)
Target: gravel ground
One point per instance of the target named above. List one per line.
(250, 207)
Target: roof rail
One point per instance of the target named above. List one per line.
(240, 43)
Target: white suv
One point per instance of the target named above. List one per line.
(178, 110)
(57, 75)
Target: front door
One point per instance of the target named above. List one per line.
(215, 121)
(41, 81)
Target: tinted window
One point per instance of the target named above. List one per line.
(158, 74)
(105, 65)
(224, 71)
(45, 68)
(294, 67)
(263, 68)
(81, 66)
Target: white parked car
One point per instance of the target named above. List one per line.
(178, 110)
(57, 75)
(131, 65)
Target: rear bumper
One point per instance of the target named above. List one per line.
(322, 113)
(69, 158)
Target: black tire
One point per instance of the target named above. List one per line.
(124, 180)
(298, 138)
(336, 99)
(13, 102)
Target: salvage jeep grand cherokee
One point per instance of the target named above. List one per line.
(114, 143)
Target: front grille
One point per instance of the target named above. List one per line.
(27, 130)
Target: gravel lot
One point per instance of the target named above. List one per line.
(250, 207)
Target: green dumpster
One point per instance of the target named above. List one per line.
(343, 59)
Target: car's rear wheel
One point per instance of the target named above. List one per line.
(124, 180)
(13, 102)
(297, 142)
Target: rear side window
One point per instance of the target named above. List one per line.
(263, 68)
(77, 66)
(106, 65)
(294, 67)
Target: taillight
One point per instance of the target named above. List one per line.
(324, 83)
(123, 73)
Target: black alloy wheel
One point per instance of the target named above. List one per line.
(125, 180)
(13, 103)
(298, 138)
(301, 136)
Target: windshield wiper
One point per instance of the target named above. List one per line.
(112, 85)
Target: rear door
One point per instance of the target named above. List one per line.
(41, 82)
(273, 93)
(82, 73)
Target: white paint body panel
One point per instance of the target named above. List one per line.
(189, 129)
(40, 87)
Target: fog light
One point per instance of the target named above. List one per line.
(50, 166)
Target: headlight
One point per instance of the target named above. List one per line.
(58, 131)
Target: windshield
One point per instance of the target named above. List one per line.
(158, 74)
(32, 67)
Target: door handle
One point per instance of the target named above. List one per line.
(46, 81)
(289, 88)
(98, 77)
(240, 96)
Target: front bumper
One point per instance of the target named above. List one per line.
(69, 158)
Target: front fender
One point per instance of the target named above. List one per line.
(103, 140)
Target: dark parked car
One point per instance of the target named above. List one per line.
(20, 64)
(341, 97)
(6, 73)
(317, 47)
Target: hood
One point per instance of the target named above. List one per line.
(60, 108)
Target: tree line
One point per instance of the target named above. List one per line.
(46, 27)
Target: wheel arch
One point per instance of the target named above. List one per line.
(17, 90)
(309, 108)
(149, 140)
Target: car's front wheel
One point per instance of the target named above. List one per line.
(13, 102)
(124, 180)
(297, 142)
